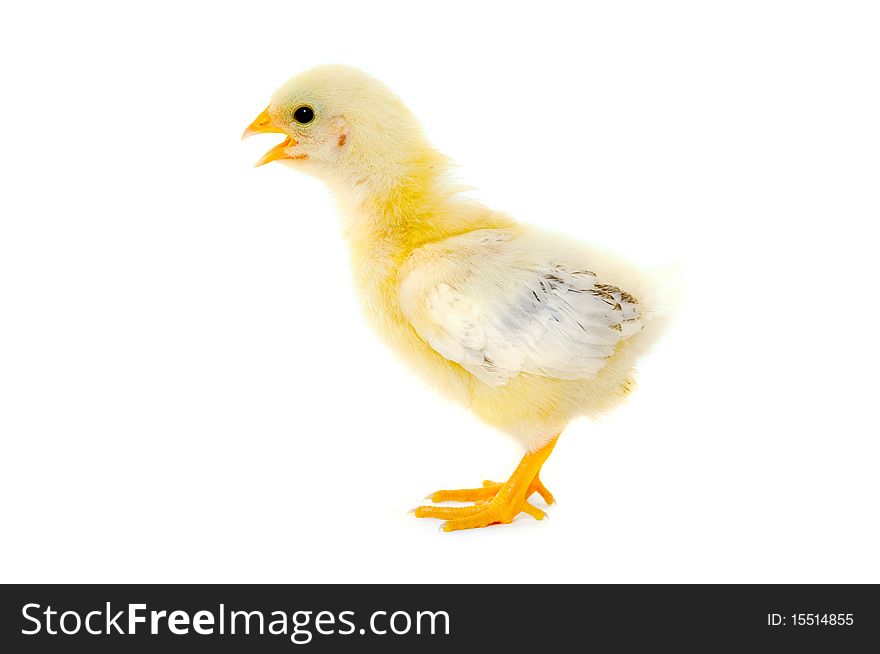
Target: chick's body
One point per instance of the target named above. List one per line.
(526, 328)
(449, 276)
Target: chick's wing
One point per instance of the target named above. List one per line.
(500, 304)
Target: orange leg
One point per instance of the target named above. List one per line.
(494, 503)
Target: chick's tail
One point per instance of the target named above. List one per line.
(663, 296)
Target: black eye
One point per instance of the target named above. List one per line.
(304, 115)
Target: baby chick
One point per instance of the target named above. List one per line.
(526, 328)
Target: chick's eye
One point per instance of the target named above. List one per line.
(304, 115)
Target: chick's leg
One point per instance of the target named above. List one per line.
(507, 500)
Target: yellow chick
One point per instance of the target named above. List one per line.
(526, 328)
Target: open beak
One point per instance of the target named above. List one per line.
(264, 125)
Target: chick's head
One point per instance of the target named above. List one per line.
(341, 125)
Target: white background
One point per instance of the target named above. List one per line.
(188, 392)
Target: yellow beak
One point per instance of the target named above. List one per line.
(264, 125)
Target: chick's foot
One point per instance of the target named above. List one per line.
(481, 514)
(494, 503)
(488, 491)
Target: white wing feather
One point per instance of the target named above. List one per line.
(484, 302)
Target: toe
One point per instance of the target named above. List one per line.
(482, 518)
(462, 495)
(538, 486)
(446, 512)
(533, 511)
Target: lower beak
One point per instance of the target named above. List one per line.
(263, 124)
(276, 153)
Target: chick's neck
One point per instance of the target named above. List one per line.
(390, 214)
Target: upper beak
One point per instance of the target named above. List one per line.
(264, 125)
